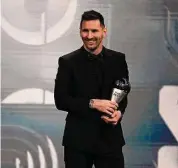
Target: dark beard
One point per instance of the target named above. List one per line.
(93, 49)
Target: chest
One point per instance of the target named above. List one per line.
(96, 78)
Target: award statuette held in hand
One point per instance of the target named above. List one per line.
(120, 90)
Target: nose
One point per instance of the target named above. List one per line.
(90, 35)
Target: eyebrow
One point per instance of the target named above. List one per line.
(93, 30)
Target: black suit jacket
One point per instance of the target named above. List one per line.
(75, 85)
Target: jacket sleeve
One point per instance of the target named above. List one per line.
(64, 100)
(125, 74)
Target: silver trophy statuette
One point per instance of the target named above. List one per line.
(118, 95)
(120, 90)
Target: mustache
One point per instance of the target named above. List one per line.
(93, 39)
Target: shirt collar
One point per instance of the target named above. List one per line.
(92, 56)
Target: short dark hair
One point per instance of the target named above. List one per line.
(92, 15)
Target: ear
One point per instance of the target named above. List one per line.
(80, 31)
(104, 32)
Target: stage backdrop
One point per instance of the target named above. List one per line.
(35, 33)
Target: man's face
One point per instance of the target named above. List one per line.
(92, 34)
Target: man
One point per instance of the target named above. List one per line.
(83, 88)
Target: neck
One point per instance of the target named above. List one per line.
(96, 51)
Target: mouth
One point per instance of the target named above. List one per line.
(90, 42)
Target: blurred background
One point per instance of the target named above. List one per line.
(35, 33)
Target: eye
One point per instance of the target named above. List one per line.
(94, 31)
(84, 30)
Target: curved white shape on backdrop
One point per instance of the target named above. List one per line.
(30, 160)
(167, 157)
(53, 153)
(53, 33)
(30, 96)
(17, 163)
(41, 157)
(168, 107)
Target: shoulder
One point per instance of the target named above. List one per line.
(72, 55)
(115, 54)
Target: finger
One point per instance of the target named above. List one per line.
(114, 114)
(113, 107)
(110, 110)
(119, 114)
(113, 120)
(108, 119)
(114, 103)
(115, 123)
(104, 118)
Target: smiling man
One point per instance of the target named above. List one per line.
(92, 33)
(83, 87)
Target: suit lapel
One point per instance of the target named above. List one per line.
(107, 75)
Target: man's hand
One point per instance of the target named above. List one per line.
(115, 117)
(105, 106)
